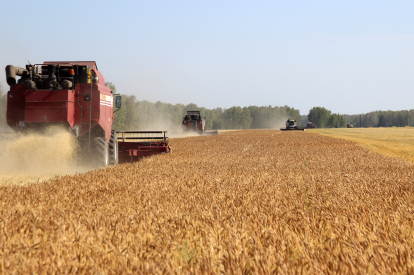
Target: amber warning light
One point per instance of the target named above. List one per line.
(72, 72)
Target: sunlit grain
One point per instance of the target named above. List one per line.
(242, 202)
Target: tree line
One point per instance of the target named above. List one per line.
(383, 119)
(144, 115)
(3, 108)
(323, 118)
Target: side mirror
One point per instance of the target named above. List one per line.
(118, 101)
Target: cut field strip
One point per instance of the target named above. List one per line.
(392, 141)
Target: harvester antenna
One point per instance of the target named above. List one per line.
(29, 62)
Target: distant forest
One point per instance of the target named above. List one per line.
(143, 115)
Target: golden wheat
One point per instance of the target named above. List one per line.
(392, 141)
(242, 202)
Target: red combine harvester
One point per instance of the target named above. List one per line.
(310, 125)
(73, 94)
(193, 122)
(292, 125)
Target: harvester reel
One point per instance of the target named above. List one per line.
(113, 149)
(102, 154)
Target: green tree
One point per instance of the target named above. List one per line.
(237, 118)
(319, 116)
(111, 86)
(124, 118)
(337, 121)
(3, 107)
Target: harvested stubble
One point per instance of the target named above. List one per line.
(241, 202)
(391, 141)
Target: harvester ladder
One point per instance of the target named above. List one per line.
(86, 113)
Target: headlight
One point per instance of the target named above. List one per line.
(95, 79)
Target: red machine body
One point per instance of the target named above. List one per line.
(73, 94)
(36, 109)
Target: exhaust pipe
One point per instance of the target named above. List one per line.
(11, 72)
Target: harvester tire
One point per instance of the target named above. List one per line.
(113, 149)
(102, 154)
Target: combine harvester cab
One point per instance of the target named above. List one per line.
(71, 94)
(292, 125)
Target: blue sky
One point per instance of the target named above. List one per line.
(347, 56)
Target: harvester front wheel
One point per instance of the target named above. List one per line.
(101, 147)
(113, 149)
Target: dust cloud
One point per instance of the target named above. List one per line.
(279, 123)
(159, 123)
(274, 123)
(25, 158)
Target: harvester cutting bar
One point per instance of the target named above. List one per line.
(134, 145)
(211, 133)
(126, 138)
(292, 129)
(142, 135)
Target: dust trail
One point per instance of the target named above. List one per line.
(274, 123)
(160, 123)
(279, 123)
(31, 157)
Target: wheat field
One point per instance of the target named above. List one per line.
(390, 141)
(244, 202)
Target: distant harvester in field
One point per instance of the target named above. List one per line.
(193, 122)
(310, 125)
(291, 124)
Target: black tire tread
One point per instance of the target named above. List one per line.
(113, 156)
(100, 146)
